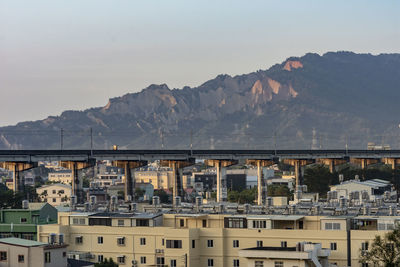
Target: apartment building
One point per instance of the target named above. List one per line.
(61, 176)
(205, 239)
(16, 252)
(55, 194)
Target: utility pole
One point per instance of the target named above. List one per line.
(162, 139)
(62, 138)
(191, 141)
(91, 141)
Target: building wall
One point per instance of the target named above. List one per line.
(60, 177)
(56, 194)
(33, 256)
(223, 253)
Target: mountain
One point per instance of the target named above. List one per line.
(327, 101)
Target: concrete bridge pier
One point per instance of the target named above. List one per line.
(393, 162)
(177, 167)
(17, 168)
(221, 181)
(299, 168)
(332, 163)
(261, 164)
(128, 165)
(364, 162)
(77, 184)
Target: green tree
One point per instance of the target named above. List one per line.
(243, 197)
(10, 199)
(278, 191)
(164, 197)
(384, 251)
(106, 263)
(139, 192)
(318, 179)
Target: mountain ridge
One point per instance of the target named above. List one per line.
(342, 95)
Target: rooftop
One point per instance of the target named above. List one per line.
(21, 242)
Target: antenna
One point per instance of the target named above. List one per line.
(275, 142)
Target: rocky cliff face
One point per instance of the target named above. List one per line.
(345, 97)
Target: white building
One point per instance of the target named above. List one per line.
(367, 190)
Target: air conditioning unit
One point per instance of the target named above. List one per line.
(158, 250)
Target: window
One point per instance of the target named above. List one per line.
(332, 226)
(21, 258)
(333, 246)
(204, 223)
(142, 241)
(121, 259)
(99, 240)
(235, 263)
(260, 224)
(193, 243)
(54, 191)
(364, 246)
(100, 258)
(142, 260)
(162, 242)
(173, 263)
(47, 257)
(259, 264)
(259, 243)
(364, 264)
(174, 243)
(121, 241)
(160, 261)
(278, 264)
(235, 222)
(64, 254)
(78, 240)
(3, 255)
(121, 223)
(210, 262)
(23, 220)
(54, 199)
(181, 222)
(283, 244)
(235, 243)
(210, 243)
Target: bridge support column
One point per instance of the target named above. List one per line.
(177, 167)
(129, 185)
(17, 168)
(261, 194)
(77, 184)
(364, 162)
(221, 181)
(331, 163)
(298, 168)
(391, 161)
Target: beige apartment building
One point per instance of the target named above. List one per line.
(62, 176)
(160, 179)
(201, 239)
(55, 194)
(16, 252)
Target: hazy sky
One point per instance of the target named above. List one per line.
(75, 54)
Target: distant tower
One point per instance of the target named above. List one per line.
(314, 143)
(212, 143)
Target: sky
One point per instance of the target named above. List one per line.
(71, 55)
